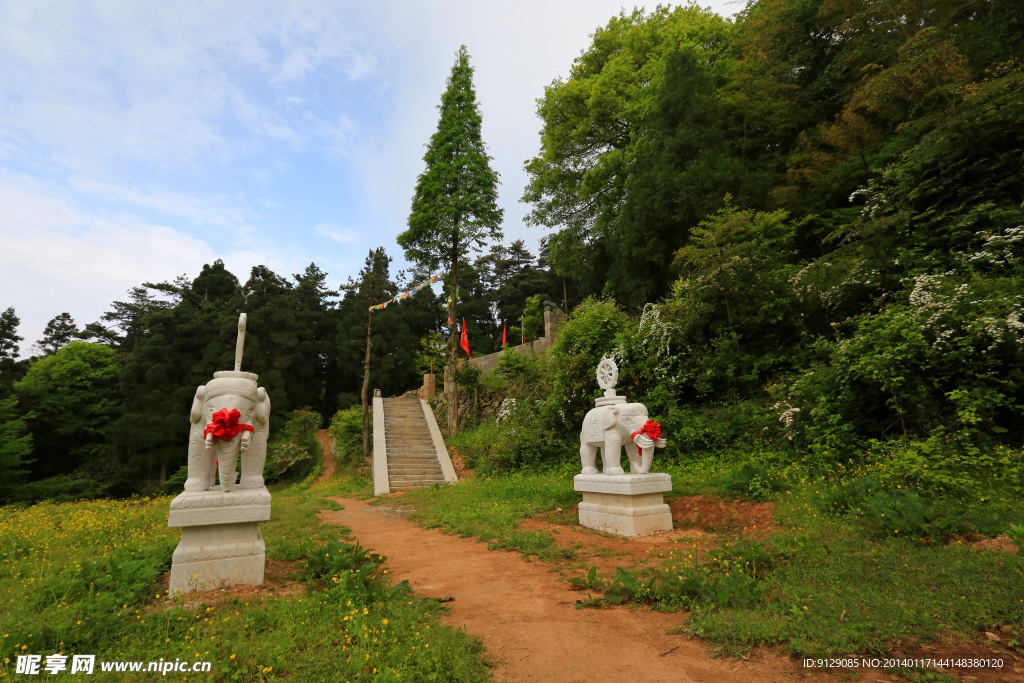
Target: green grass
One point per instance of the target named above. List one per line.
(490, 508)
(889, 590)
(348, 480)
(832, 579)
(83, 578)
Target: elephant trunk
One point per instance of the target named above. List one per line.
(645, 445)
(227, 457)
(647, 457)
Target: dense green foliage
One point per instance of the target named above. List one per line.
(818, 207)
(111, 415)
(799, 230)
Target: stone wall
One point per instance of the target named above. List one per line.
(479, 404)
(552, 324)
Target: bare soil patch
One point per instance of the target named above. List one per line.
(701, 522)
(605, 551)
(280, 580)
(715, 515)
(999, 544)
(459, 463)
(526, 615)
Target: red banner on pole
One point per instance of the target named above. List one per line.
(465, 339)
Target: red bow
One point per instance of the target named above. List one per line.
(651, 429)
(225, 425)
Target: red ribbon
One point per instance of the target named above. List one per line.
(651, 429)
(225, 425)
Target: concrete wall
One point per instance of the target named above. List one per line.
(381, 483)
(552, 323)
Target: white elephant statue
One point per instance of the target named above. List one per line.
(230, 417)
(609, 427)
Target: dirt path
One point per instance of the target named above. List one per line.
(526, 616)
(326, 441)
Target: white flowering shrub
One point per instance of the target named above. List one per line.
(945, 361)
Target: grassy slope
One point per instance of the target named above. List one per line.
(85, 578)
(818, 565)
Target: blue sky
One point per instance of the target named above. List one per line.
(142, 139)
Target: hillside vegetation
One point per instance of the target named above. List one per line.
(799, 230)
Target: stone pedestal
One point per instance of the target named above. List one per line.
(221, 544)
(625, 504)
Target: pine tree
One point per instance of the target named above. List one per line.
(59, 332)
(9, 338)
(454, 209)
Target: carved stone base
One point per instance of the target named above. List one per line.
(625, 504)
(221, 543)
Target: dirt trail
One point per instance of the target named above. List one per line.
(326, 441)
(526, 616)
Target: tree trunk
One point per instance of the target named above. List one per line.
(366, 390)
(163, 473)
(451, 385)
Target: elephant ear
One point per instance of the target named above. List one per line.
(262, 406)
(610, 415)
(197, 404)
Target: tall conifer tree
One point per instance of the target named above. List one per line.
(9, 338)
(454, 210)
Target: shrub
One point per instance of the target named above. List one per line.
(296, 451)
(347, 430)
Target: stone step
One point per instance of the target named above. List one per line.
(405, 471)
(416, 462)
(415, 480)
(413, 468)
(418, 484)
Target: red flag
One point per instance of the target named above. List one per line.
(504, 331)
(465, 339)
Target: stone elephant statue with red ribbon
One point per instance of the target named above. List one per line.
(614, 425)
(230, 419)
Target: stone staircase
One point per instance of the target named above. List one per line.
(412, 460)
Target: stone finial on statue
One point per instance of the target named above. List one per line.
(240, 342)
(607, 376)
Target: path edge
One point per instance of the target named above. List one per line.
(442, 451)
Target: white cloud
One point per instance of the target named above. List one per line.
(335, 233)
(97, 83)
(217, 211)
(56, 256)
